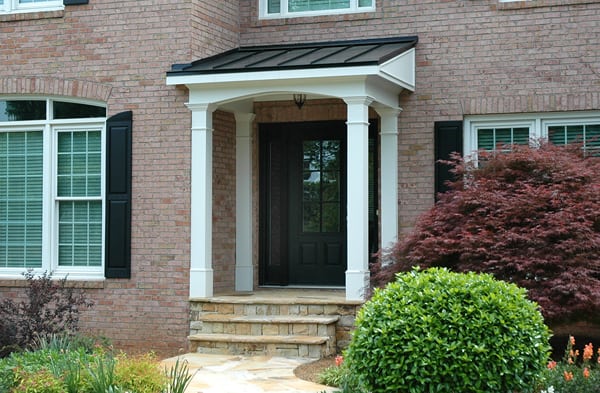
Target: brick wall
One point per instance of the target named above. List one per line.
(473, 57)
(118, 52)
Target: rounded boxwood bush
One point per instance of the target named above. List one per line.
(438, 331)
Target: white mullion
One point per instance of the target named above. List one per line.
(48, 208)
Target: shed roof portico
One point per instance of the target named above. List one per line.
(365, 73)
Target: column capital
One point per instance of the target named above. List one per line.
(201, 106)
(358, 100)
(244, 117)
(387, 111)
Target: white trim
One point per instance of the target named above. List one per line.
(50, 129)
(201, 210)
(388, 183)
(244, 271)
(275, 75)
(354, 8)
(14, 7)
(357, 229)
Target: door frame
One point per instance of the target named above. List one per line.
(272, 132)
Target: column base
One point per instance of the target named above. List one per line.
(357, 284)
(201, 283)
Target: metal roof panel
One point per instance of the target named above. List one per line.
(297, 56)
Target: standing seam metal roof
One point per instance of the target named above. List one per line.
(297, 56)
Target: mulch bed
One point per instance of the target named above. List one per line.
(310, 371)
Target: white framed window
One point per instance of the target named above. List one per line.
(17, 6)
(294, 8)
(498, 132)
(51, 187)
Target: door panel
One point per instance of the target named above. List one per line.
(317, 205)
(303, 202)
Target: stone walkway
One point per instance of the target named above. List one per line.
(245, 374)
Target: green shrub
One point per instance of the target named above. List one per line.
(140, 374)
(438, 331)
(42, 381)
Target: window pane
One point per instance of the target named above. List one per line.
(21, 199)
(520, 136)
(365, 3)
(485, 139)
(311, 217)
(494, 138)
(70, 110)
(331, 217)
(22, 110)
(557, 135)
(78, 162)
(80, 233)
(592, 139)
(575, 134)
(273, 6)
(315, 5)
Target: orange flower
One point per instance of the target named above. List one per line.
(572, 340)
(568, 376)
(586, 372)
(588, 352)
(339, 359)
(551, 365)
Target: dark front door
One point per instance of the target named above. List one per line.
(303, 203)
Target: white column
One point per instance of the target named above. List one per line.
(388, 211)
(244, 273)
(201, 271)
(357, 274)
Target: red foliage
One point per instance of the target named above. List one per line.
(531, 217)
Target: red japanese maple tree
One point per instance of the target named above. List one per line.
(530, 216)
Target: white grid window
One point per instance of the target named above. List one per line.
(292, 8)
(51, 187)
(493, 132)
(17, 6)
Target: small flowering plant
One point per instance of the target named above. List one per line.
(574, 374)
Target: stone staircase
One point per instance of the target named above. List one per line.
(290, 323)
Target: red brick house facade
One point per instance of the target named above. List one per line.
(463, 75)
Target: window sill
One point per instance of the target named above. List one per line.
(77, 283)
(516, 5)
(19, 16)
(310, 19)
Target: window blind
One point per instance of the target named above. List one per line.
(78, 176)
(21, 199)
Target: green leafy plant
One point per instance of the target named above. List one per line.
(334, 375)
(178, 377)
(140, 374)
(438, 331)
(41, 381)
(574, 374)
(102, 374)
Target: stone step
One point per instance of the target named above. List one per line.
(265, 325)
(300, 319)
(273, 345)
(243, 338)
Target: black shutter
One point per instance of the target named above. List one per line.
(75, 2)
(448, 138)
(118, 196)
